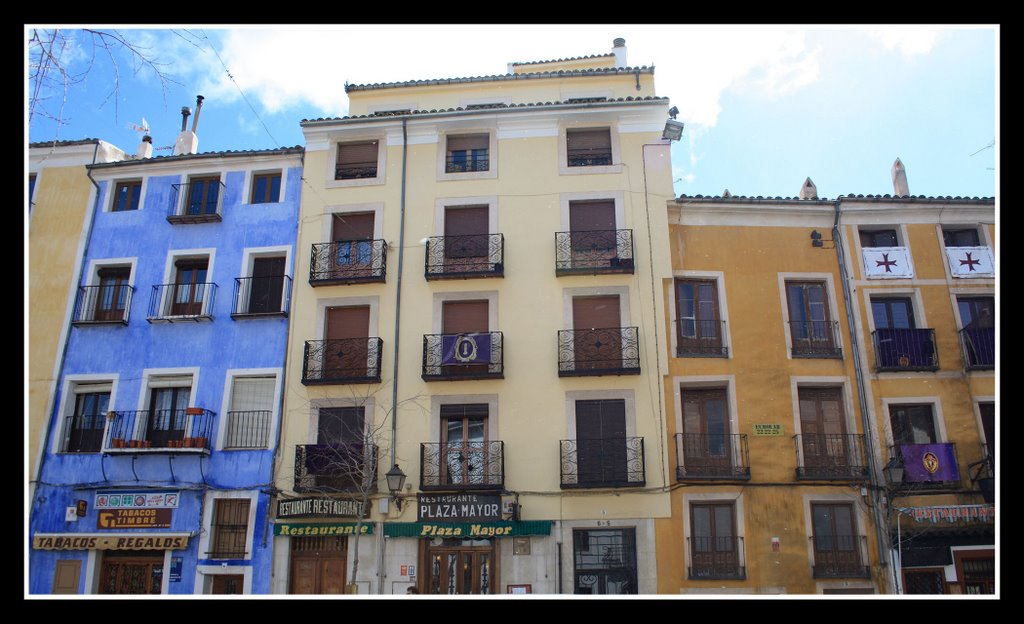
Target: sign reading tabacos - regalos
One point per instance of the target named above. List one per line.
(320, 507)
(121, 500)
(134, 519)
(107, 541)
(455, 507)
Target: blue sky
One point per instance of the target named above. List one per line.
(764, 106)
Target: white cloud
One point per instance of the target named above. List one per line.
(909, 40)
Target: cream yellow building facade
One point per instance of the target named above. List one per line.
(479, 304)
(58, 221)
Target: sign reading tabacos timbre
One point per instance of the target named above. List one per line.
(134, 519)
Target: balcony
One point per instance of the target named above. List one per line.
(905, 350)
(700, 338)
(185, 431)
(815, 339)
(195, 202)
(703, 456)
(348, 262)
(172, 303)
(840, 556)
(609, 351)
(715, 558)
(602, 463)
(462, 466)
(589, 157)
(462, 257)
(925, 467)
(247, 430)
(463, 162)
(979, 347)
(833, 457)
(261, 296)
(341, 361)
(98, 305)
(463, 356)
(336, 468)
(593, 252)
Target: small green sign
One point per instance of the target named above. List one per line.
(767, 430)
(321, 529)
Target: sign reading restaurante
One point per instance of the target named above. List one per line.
(319, 507)
(456, 507)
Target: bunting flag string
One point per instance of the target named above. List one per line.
(951, 513)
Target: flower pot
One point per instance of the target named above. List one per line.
(200, 442)
(117, 443)
(186, 442)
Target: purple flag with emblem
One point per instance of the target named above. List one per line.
(465, 349)
(929, 462)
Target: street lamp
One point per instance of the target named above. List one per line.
(396, 481)
(893, 472)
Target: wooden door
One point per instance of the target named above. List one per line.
(318, 565)
(228, 584)
(592, 232)
(66, 574)
(352, 234)
(132, 572)
(465, 239)
(266, 285)
(167, 418)
(601, 455)
(466, 317)
(346, 350)
(189, 288)
(597, 333)
(707, 444)
(460, 569)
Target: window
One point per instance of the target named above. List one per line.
(112, 299)
(343, 458)
(594, 243)
(895, 313)
(356, 160)
(811, 327)
(466, 241)
(465, 460)
(714, 547)
(988, 427)
(127, 195)
(248, 418)
(203, 196)
(352, 234)
(978, 333)
(837, 547)
(263, 291)
(879, 238)
(604, 561)
(347, 342)
(168, 420)
(31, 190)
(189, 288)
(465, 317)
(598, 343)
(266, 188)
(589, 147)
(230, 528)
(899, 344)
(961, 237)
(827, 450)
(912, 424)
(699, 327)
(467, 152)
(85, 431)
(706, 432)
(601, 448)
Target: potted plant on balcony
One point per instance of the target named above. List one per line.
(199, 442)
(117, 443)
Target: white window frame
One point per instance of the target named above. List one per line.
(205, 574)
(914, 294)
(95, 382)
(368, 404)
(723, 308)
(568, 294)
(860, 517)
(380, 136)
(492, 154)
(206, 537)
(976, 402)
(901, 238)
(833, 304)
(186, 180)
(185, 377)
(706, 382)
(849, 415)
(437, 400)
(736, 498)
(937, 419)
(563, 148)
(250, 182)
(250, 254)
(173, 256)
(440, 298)
(626, 395)
(228, 395)
(108, 203)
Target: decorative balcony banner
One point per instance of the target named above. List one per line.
(887, 262)
(929, 462)
(465, 349)
(970, 262)
(951, 513)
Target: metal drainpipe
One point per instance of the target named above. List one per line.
(559, 565)
(844, 278)
(67, 330)
(398, 299)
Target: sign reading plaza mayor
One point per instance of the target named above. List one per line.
(459, 507)
(319, 507)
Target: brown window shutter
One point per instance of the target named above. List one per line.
(464, 316)
(592, 215)
(466, 221)
(355, 226)
(592, 139)
(362, 154)
(468, 142)
(348, 322)
(595, 312)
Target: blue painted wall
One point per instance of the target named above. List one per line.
(211, 347)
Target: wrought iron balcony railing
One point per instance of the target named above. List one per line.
(905, 350)
(840, 556)
(355, 170)
(262, 296)
(473, 255)
(196, 202)
(341, 361)
(463, 163)
(181, 302)
(247, 429)
(815, 339)
(924, 466)
(348, 262)
(700, 338)
(594, 252)
(703, 456)
(336, 468)
(463, 356)
(830, 456)
(103, 304)
(608, 351)
(188, 430)
(715, 558)
(602, 462)
(462, 465)
(589, 157)
(979, 346)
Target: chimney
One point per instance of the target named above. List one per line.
(619, 50)
(145, 148)
(899, 180)
(808, 190)
(199, 106)
(187, 142)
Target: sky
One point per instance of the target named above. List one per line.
(765, 107)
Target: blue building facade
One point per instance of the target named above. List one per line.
(158, 467)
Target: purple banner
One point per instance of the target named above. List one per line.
(929, 462)
(465, 349)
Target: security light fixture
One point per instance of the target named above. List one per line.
(673, 130)
(396, 480)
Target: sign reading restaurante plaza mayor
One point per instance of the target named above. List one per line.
(459, 507)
